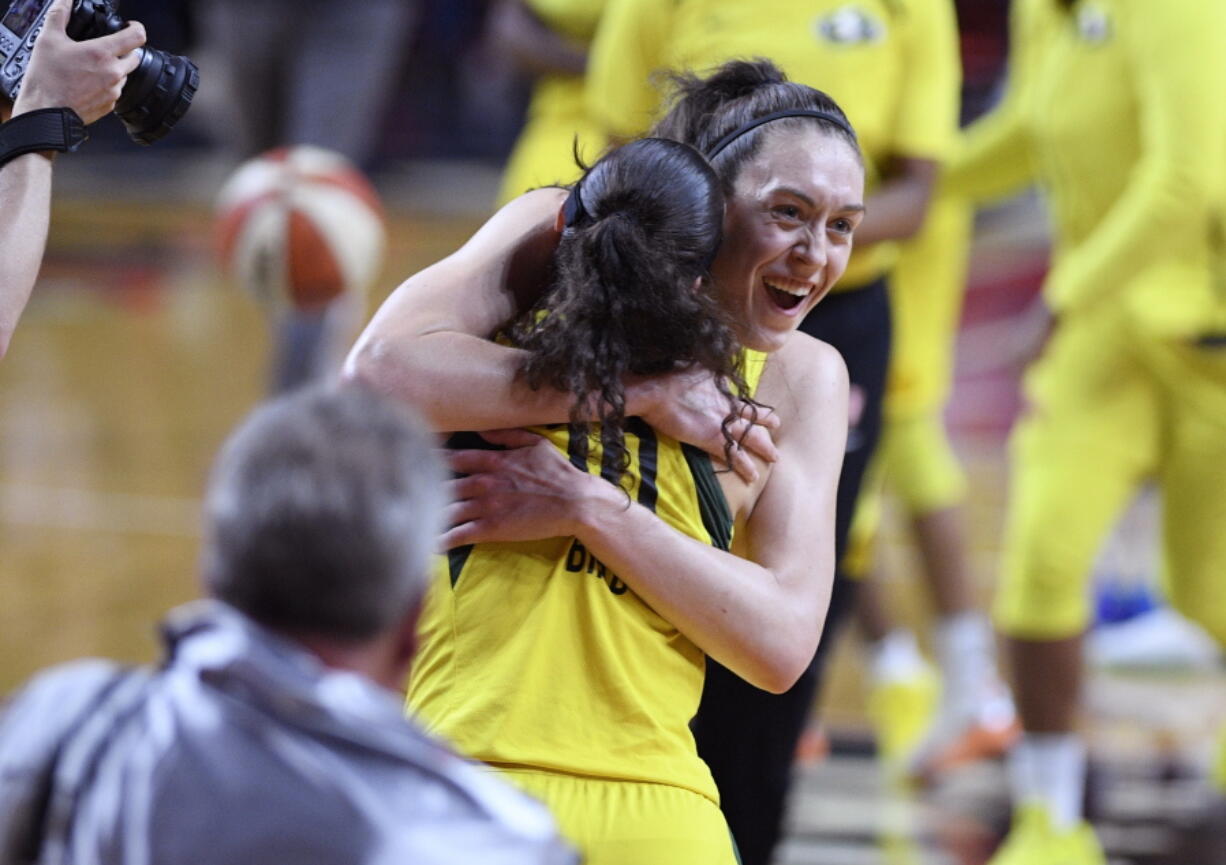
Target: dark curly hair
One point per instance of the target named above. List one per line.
(701, 111)
(630, 292)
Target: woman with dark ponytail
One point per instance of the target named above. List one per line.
(627, 298)
(592, 569)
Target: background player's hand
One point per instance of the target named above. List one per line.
(527, 492)
(84, 76)
(688, 406)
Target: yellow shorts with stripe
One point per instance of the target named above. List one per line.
(630, 823)
(1108, 408)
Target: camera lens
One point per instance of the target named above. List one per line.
(158, 92)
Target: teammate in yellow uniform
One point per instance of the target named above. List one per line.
(1116, 110)
(925, 723)
(549, 39)
(893, 65)
(583, 688)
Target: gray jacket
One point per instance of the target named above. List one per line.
(243, 748)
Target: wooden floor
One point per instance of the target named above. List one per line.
(134, 360)
(132, 363)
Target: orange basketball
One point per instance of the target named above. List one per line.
(299, 226)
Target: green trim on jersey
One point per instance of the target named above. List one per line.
(712, 504)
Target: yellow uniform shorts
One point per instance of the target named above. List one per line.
(1109, 407)
(630, 823)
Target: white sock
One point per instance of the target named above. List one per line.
(895, 656)
(966, 651)
(1050, 769)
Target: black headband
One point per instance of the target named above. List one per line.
(779, 115)
(572, 208)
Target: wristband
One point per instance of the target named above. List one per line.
(45, 129)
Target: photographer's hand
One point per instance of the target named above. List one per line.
(84, 76)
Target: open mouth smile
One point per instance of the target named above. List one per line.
(787, 294)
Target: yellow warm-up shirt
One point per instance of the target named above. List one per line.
(536, 656)
(1117, 109)
(544, 152)
(892, 65)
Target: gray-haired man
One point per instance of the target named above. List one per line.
(273, 733)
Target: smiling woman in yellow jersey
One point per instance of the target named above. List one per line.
(893, 65)
(1116, 111)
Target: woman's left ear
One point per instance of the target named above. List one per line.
(697, 286)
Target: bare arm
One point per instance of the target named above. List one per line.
(533, 46)
(896, 209)
(995, 158)
(429, 344)
(25, 189)
(923, 128)
(759, 613)
(86, 77)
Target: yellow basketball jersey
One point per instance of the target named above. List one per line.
(536, 655)
(1115, 107)
(892, 65)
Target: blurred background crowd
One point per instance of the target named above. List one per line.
(453, 91)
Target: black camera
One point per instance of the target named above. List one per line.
(157, 93)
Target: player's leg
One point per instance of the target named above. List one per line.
(976, 718)
(902, 684)
(923, 473)
(250, 44)
(920, 464)
(307, 346)
(346, 67)
(1192, 478)
(337, 106)
(1072, 473)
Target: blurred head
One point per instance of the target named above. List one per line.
(321, 512)
(630, 296)
(794, 188)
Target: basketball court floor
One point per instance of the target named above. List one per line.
(135, 358)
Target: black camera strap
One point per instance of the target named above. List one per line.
(46, 129)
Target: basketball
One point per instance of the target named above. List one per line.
(299, 226)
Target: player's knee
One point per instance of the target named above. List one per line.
(1038, 599)
(923, 468)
